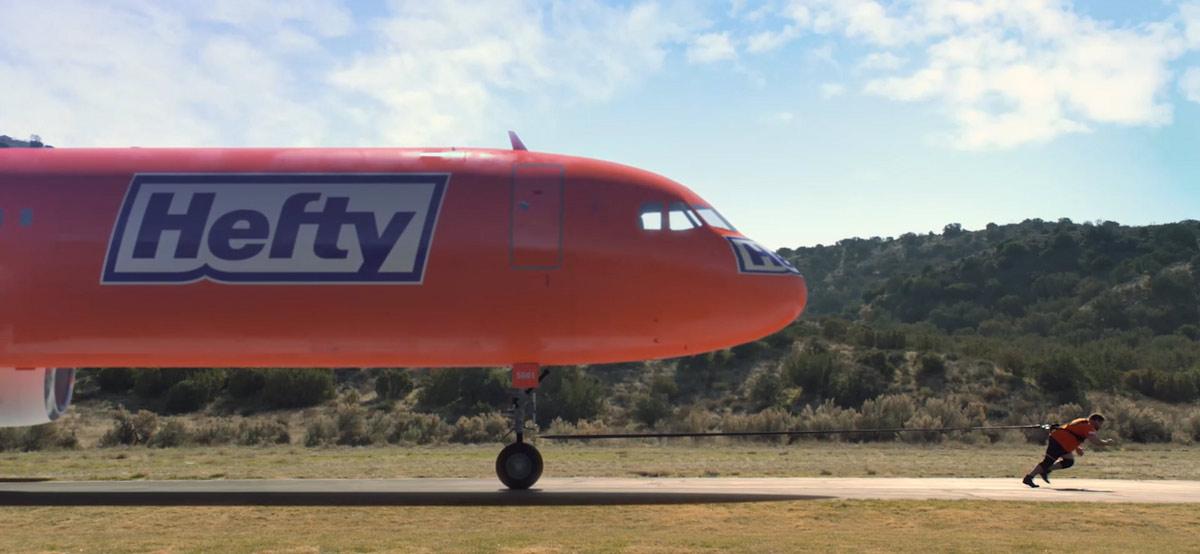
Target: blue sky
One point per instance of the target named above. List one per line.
(804, 121)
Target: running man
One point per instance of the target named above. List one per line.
(1064, 443)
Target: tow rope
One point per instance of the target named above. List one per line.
(1042, 426)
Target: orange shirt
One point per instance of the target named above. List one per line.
(1071, 435)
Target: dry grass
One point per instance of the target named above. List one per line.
(849, 526)
(707, 459)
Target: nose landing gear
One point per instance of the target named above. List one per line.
(519, 465)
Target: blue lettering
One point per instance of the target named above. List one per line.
(158, 219)
(376, 246)
(225, 230)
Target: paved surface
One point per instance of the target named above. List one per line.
(576, 491)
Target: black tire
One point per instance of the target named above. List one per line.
(519, 465)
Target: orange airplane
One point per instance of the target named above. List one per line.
(426, 257)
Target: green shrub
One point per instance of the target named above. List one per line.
(1062, 378)
(410, 428)
(890, 411)
(131, 429)
(770, 420)
(171, 434)
(245, 383)
(263, 433)
(213, 433)
(571, 394)
(854, 385)
(812, 370)
(828, 416)
(320, 431)
(297, 388)
(1179, 386)
(186, 396)
(878, 360)
(649, 409)
(350, 421)
(456, 392)
(1145, 424)
(50, 436)
(698, 373)
(392, 384)
(115, 380)
(765, 389)
(930, 366)
(485, 428)
(1192, 426)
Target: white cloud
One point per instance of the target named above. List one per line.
(1190, 12)
(257, 72)
(885, 61)
(767, 41)
(1189, 83)
(831, 90)
(780, 118)
(711, 47)
(1010, 74)
(126, 73)
(442, 71)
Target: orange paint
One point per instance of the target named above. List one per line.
(534, 258)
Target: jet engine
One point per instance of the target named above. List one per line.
(33, 396)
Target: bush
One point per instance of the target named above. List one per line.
(855, 384)
(479, 429)
(1062, 377)
(827, 417)
(50, 436)
(320, 431)
(770, 420)
(1180, 386)
(890, 411)
(263, 433)
(649, 409)
(215, 433)
(131, 429)
(1192, 426)
(186, 396)
(152, 383)
(571, 394)
(456, 392)
(930, 367)
(765, 389)
(297, 388)
(244, 384)
(1145, 424)
(699, 373)
(350, 422)
(392, 384)
(878, 360)
(172, 434)
(811, 370)
(115, 380)
(410, 428)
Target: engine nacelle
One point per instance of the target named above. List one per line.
(34, 396)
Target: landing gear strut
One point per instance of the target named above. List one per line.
(519, 465)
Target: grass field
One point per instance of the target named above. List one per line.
(846, 526)
(807, 459)
(821, 525)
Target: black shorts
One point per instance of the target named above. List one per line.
(1055, 450)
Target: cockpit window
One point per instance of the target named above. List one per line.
(680, 218)
(713, 218)
(651, 216)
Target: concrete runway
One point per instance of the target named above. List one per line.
(574, 491)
